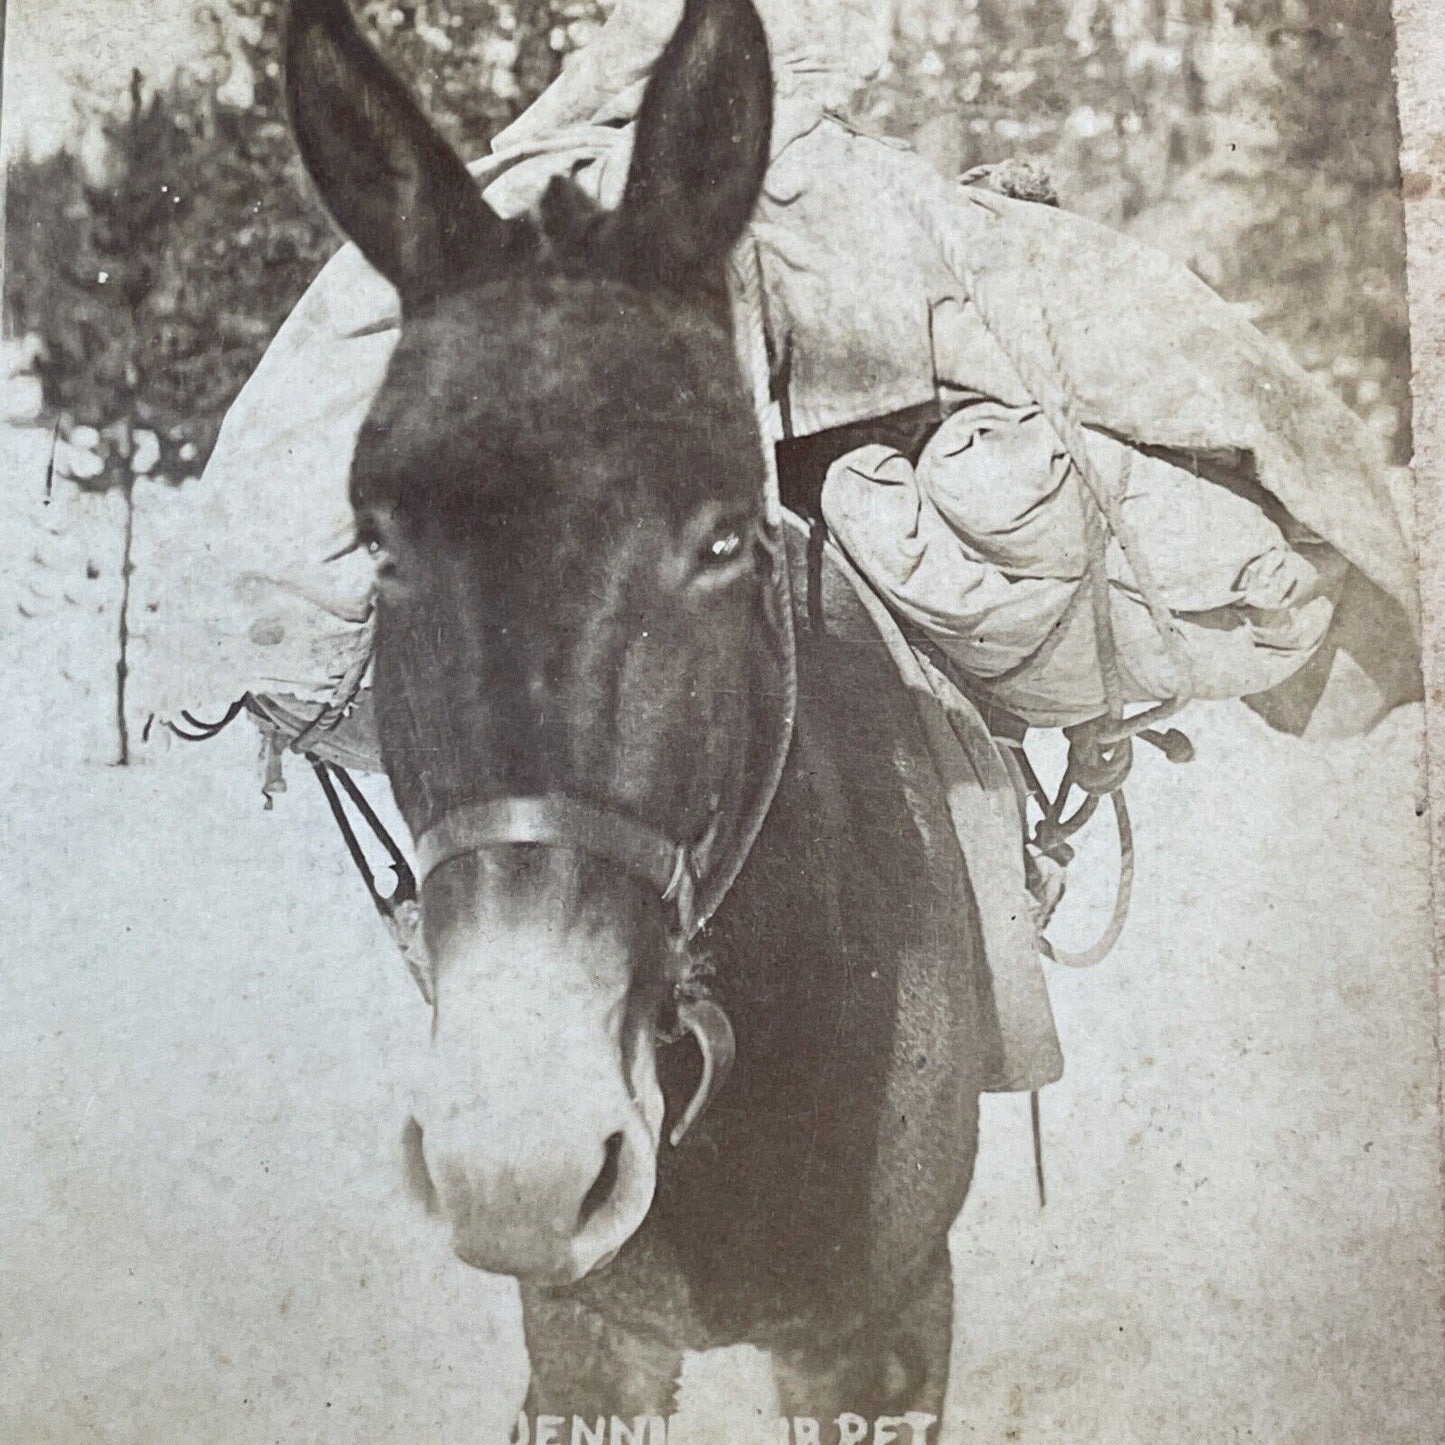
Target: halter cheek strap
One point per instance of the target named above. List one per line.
(558, 821)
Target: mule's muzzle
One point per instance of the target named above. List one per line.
(512, 1220)
(537, 1112)
(552, 1223)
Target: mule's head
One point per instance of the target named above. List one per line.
(563, 482)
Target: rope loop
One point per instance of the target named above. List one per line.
(1123, 893)
(1098, 766)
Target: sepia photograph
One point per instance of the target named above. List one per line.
(716, 724)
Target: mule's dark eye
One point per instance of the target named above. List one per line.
(714, 551)
(721, 558)
(387, 577)
(721, 549)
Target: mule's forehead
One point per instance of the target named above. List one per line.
(556, 381)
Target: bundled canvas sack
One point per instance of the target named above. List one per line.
(984, 548)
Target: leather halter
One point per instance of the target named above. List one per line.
(558, 821)
(671, 868)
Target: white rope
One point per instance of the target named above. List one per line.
(1103, 946)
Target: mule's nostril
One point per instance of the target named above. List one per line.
(605, 1182)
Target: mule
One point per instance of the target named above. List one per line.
(591, 718)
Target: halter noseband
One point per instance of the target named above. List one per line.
(671, 868)
(558, 821)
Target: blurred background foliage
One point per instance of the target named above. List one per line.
(1255, 140)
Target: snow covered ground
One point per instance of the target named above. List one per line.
(202, 1031)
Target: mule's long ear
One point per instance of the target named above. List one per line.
(701, 146)
(390, 181)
